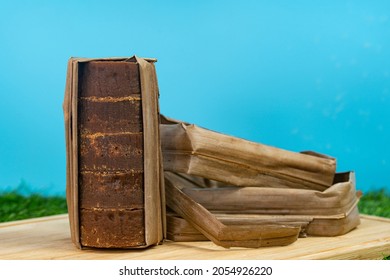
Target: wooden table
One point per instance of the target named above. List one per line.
(49, 238)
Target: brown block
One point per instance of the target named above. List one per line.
(109, 116)
(109, 79)
(111, 126)
(117, 152)
(112, 228)
(111, 190)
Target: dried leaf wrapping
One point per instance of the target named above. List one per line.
(197, 151)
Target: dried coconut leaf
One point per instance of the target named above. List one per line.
(329, 213)
(251, 236)
(197, 151)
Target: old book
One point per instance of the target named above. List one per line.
(329, 213)
(197, 151)
(114, 168)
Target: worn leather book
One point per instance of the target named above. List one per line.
(194, 150)
(114, 186)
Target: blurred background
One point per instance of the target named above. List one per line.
(298, 75)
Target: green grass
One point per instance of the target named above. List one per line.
(375, 203)
(14, 206)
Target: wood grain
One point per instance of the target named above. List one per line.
(49, 238)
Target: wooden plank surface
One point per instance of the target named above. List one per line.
(49, 238)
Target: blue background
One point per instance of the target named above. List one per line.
(299, 75)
